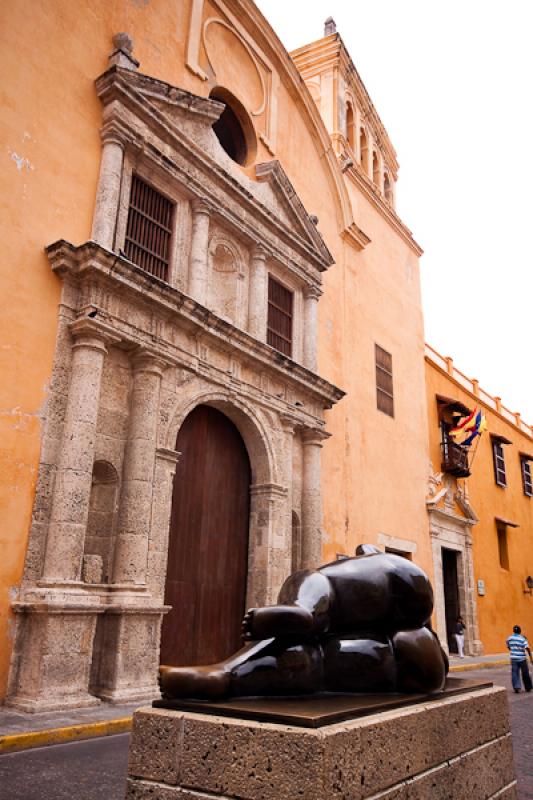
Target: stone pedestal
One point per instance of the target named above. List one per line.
(52, 656)
(126, 654)
(452, 747)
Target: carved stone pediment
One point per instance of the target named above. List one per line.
(173, 128)
(291, 207)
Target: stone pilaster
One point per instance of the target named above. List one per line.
(108, 195)
(165, 469)
(438, 590)
(311, 295)
(135, 507)
(311, 498)
(267, 562)
(474, 645)
(258, 294)
(72, 488)
(126, 653)
(198, 261)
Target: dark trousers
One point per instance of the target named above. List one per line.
(520, 668)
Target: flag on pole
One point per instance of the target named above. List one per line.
(469, 427)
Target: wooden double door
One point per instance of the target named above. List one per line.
(208, 542)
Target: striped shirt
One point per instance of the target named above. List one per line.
(517, 644)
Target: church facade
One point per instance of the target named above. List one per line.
(215, 344)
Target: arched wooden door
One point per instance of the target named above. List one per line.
(208, 542)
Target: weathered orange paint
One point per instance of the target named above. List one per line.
(504, 603)
(374, 467)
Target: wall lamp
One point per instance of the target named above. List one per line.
(529, 584)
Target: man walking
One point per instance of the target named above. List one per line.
(518, 645)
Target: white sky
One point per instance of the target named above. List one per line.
(453, 84)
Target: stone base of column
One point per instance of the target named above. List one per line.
(52, 657)
(126, 653)
(143, 694)
(453, 747)
(475, 648)
(31, 705)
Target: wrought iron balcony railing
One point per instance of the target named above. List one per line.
(454, 458)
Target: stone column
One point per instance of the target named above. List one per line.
(292, 549)
(311, 295)
(311, 498)
(165, 470)
(108, 195)
(135, 507)
(72, 488)
(258, 294)
(198, 261)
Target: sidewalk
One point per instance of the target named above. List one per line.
(478, 662)
(21, 731)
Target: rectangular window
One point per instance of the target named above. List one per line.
(279, 323)
(149, 229)
(402, 553)
(499, 463)
(503, 552)
(527, 482)
(384, 390)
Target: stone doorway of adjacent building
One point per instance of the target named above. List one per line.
(451, 595)
(208, 541)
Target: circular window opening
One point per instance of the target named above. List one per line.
(234, 129)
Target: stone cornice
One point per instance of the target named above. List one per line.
(123, 91)
(91, 265)
(355, 236)
(480, 398)
(449, 515)
(355, 173)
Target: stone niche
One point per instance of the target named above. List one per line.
(456, 747)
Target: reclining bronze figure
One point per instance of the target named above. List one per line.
(355, 625)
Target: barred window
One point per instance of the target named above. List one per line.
(384, 389)
(527, 482)
(279, 322)
(149, 229)
(499, 463)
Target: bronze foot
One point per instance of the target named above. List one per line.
(206, 683)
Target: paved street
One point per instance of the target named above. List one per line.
(91, 770)
(521, 707)
(96, 769)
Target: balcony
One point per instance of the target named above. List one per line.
(454, 458)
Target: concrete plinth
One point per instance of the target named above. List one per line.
(455, 747)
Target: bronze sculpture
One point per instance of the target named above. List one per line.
(355, 625)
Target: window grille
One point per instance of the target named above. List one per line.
(149, 229)
(384, 388)
(279, 322)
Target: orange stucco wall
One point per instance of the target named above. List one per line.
(504, 603)
(373, 297)
(374, 467)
